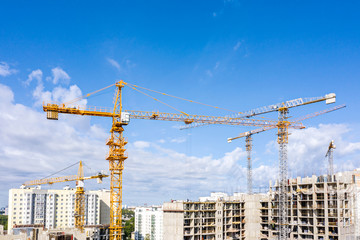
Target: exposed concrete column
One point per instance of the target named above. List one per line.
(326, 207)
(252, 217)
(219, 215)
(173, 221)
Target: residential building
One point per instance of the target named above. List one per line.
(319, 207)
(216, 217)
(149, 223)
(55, 208)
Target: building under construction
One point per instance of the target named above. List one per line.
(318, 207)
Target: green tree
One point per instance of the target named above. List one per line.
(147, 237)
(126, 213)
(129, 228)
(4, 221)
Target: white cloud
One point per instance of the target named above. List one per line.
(114, 64)
(157, 173)
(58, 94)
(141, 144)
(178, 140)
(34, 75)
(60, 76)
(124, 66)
(129, 64)
(5, 69)
(32, 147)
(209, 73)
(47, 146)
(308, 148)
(170, 174)
(237, 45)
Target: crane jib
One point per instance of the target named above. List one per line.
(53, 111)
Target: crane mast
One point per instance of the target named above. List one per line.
(283, 171)
(248, 146)
(329, 155)
(116, 158)
(79, 213)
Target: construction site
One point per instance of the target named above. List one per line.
(179, 120)
(318, 207)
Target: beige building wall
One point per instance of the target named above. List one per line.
(173, 221)
(252, 215)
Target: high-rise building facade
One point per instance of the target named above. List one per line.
(55, 208)
(149, 223)
(319, 207)
(216, 217)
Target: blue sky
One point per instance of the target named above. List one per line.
(233, 54)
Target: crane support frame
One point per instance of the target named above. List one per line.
(248, 145)
(283, 172)
(116, 160)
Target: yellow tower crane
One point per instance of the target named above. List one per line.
(248, 141)
(117, 142)
(79, 212)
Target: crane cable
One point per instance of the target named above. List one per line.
(87, 95)
(182, 98)
(133, 86)
(156, 99)
(62, 170)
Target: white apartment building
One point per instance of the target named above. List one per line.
(55, 208)
(149, 223)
